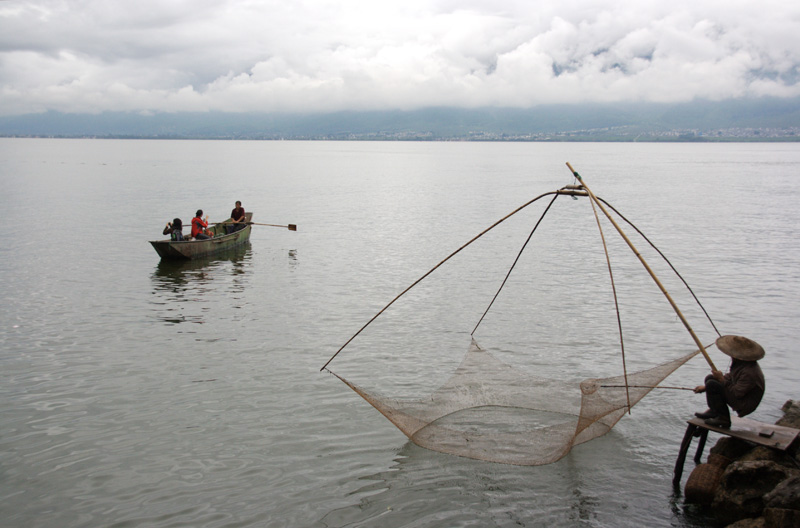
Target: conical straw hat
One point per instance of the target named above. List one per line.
(739, 347)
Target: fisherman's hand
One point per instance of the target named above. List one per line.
(699, 389)
(719, 376)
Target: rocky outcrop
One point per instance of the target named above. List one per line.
(791, 414)
(743, 488)
(751, 487)
(785, 495)
(782, 504)
(749, 523)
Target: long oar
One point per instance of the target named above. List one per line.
(648, 387)
(646, 267)
(291, 227)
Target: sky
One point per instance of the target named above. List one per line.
(145, 56)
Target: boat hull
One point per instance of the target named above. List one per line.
(188, 250)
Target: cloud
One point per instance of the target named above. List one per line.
(318, 55)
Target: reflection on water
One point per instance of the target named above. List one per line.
(401, 495)
(565, 494)
(181, 289)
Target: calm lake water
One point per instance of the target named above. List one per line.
(139, 393)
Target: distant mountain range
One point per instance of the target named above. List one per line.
(736, 120)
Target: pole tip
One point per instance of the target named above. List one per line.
(573, 171)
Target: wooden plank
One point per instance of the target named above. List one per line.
(770, 435)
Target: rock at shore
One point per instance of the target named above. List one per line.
(744, 486)
(759, 487)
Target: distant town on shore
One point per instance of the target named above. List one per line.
(755, 120)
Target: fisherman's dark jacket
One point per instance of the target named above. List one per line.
(744, 386)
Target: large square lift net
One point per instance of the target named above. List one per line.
(489, 410)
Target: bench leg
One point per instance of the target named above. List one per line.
(698, 456)
(687, 440)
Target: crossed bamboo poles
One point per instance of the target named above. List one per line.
(646, 267)
(581, 190)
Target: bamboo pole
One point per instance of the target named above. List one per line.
(514, 264)
(647, 387)
(570, 192)
(646, 267)
(616, 302)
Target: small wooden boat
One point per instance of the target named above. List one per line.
(192, 249)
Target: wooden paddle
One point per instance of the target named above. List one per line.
(649, 387)
(291, 227)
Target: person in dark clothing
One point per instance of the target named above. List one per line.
(174, 229)
(199, 225)
(238, 217)
(741, 388)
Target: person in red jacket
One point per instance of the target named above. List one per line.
(199, 226)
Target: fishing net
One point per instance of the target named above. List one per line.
(490, 410)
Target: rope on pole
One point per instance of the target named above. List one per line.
(665, 260)
(515, 263)
(647, 267)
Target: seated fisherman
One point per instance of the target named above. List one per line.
(174, 229)
(742, 388)
(238, 217)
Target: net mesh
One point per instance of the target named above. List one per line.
(488, 410)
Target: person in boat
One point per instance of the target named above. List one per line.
(175, 230)
(741, 388)
(238, 217)
(199, 226)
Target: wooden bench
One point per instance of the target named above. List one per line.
(770, 435)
